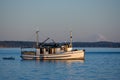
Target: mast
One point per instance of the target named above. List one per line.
(70, 38)
(37, 39)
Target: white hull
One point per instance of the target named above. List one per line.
(71, 55)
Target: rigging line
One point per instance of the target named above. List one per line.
(43, 35)
(32, 38)
(29, 37)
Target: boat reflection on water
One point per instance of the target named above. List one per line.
(61, 61)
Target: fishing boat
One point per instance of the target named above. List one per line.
(53, 51)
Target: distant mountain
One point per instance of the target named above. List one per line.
(75, 44)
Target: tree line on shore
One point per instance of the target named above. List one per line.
(30, 44)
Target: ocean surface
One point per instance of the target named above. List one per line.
(99, 64)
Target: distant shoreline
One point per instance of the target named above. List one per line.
(30, 44)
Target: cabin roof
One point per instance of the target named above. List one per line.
(53, 45)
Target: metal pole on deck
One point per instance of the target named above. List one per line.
(70, 38)
(37, 39)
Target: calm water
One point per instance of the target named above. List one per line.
(99, 64)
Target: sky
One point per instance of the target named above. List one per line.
(89, 20)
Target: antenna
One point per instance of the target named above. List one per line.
(70, 38)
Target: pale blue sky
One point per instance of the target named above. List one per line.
(89, 20)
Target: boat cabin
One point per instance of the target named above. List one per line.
(54, 48)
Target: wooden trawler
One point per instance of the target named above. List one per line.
(53, 51)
